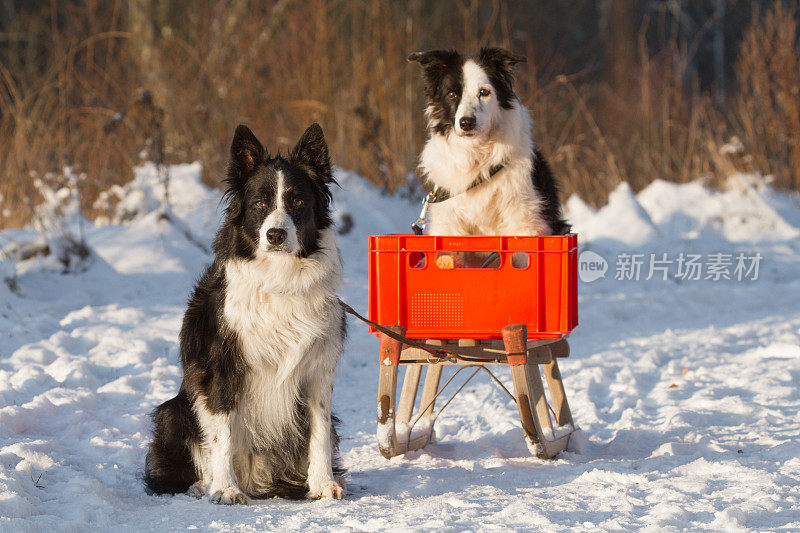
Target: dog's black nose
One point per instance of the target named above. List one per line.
(467, 123)
(276, 236)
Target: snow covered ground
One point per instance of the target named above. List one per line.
(686, 391)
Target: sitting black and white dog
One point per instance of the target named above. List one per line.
(260, 339)
(480, 151)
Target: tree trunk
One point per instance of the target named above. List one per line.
(719, 51)
(621, 50)
(146, 33)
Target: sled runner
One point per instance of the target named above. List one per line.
(518, 311)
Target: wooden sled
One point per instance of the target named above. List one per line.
(401, 429)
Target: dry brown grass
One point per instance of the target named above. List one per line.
(93, 92)
(767, 111)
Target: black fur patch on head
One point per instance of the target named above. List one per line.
(310, 156)
(443, 73)
(252, 192)
(499, 66)
(247, 153)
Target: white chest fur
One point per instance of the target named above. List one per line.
(273, 326)
(288, 329)
(508, 204)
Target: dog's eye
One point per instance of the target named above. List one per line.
(297, 202)
(484, 92)
(260, 204)
(452, 95)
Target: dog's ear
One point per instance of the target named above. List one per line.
(246, 153)
(432, 58)
(434, 65)
(500, 59)
(311, 152)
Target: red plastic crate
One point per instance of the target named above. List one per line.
(473, 303)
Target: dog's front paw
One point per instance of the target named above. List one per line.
(328, 489)
(229, 496)
(198, 490)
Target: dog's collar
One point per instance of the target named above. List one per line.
(439, 195)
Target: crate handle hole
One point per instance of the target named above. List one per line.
(520, 260)
(417, 260)
(471, 260)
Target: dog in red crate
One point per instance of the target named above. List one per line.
(488, 176)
